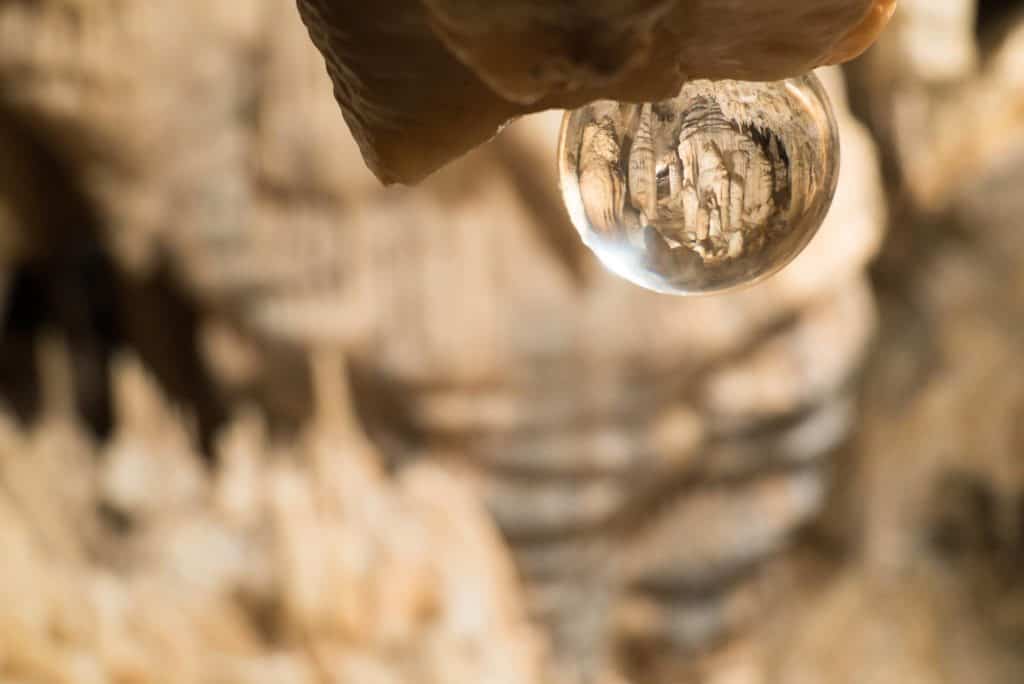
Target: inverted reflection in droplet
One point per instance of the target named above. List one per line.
(718, 187)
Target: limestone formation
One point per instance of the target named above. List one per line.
(593, 419)
(293, 563)
(423, 82)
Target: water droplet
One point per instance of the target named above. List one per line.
(716, 188)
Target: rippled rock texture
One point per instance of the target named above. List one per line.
(648, 461)
(421, 83)
(294, 563)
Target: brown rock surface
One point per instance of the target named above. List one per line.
(651, 461)
(421, 83)
(934, 593)
(478, 332)
(291, 563)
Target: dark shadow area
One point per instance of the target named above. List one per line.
(67, 284)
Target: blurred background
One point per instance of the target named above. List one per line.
(263, 420)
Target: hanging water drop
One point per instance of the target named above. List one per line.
(719, 187)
